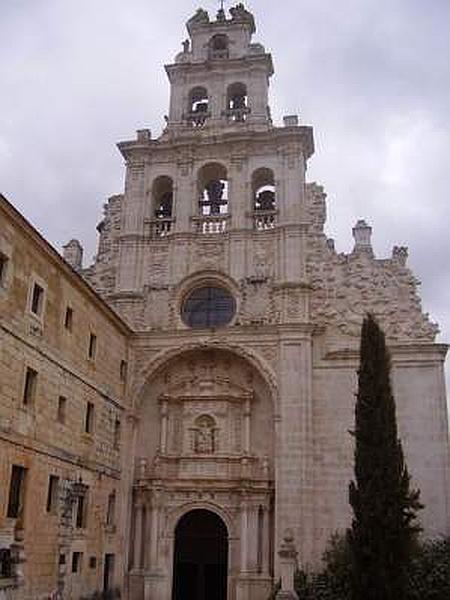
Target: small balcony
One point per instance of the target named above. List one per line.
(197, 118)
(237, 115)
(264, 220)
(161, 227)
(211, 224)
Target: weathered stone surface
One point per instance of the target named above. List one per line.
(249, 420)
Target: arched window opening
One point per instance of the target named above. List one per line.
(162, 205)
(198, 106)
(213, 197)
(218, 46)
(237, 103)
(264, 199)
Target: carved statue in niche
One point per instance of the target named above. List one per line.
(204, 435)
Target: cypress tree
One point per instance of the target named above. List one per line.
(384, 531)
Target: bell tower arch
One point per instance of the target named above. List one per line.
(233, 73)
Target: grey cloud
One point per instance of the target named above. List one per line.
(372, 77)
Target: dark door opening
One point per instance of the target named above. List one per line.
(200, 563)
(108, 573)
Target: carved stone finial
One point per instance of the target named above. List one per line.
(288, 565)
(240, 13)
(362, 234)
(330, 245)
(201, 17)
(221, 15)
(400, 254)
(73, 254)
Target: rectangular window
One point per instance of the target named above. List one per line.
(16, 492)
(37, 299)
(108, 574)
(77, 559)
(6, 563)
(52, 494)
(123, 370)
(61, 413)
(117, 432)
(92, 346)
(89, 421)
(111, 509)
(68, 319)
(62, 559)
(80, 517)
(3, 268)
(29, 388)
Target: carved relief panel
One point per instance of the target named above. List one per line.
(209, 427)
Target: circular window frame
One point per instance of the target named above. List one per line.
(207, 279)
(212, 317)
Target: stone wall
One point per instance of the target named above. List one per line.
(46, 435)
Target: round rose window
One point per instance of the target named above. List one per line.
(208, 306)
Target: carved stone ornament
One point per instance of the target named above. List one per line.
(209, 255)
(200, 17)
(157, 309)
(257, 303)
(205, 435)
(158, 267)
(263, 260)
(346, 287)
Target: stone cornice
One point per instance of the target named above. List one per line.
(284, 139)
(245, 334)
(54, 452)
(412, 353)
(250, 62)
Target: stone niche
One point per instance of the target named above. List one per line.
(213, 415)
(205, 441)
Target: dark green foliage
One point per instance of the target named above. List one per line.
(383, 536)
(429, 574)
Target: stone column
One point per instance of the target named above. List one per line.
(184, 200)
(294, 446)
(240, 204)
(133, 227)
(253, 537)
(244, 536)
(138, 533)
(247, 414)
(265, 540)
(288, 564)
(154, 518)
(163, 427)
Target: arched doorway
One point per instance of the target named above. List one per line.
(200, 563)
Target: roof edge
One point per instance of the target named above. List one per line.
(55, 256)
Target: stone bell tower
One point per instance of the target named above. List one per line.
(246, 326)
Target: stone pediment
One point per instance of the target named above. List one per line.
(196, 388)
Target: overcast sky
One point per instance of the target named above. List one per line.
(371, 76)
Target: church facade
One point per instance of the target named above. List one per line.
(227, 332)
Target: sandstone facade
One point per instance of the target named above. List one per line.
(44, 431)
(238, 336)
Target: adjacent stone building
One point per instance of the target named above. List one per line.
(162, 432)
